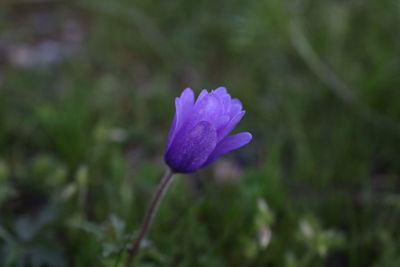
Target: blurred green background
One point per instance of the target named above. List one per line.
(86, 100)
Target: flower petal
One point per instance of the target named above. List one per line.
(226, 101)
(228, 144)
(224, 97)
(208, 109)
(221, 90)
(192, 148)
(202, 94)
(236, 101)
(171, 132)
(235, 107)
(186, 102)
(221, 122)
(183, 106)
(231, 124)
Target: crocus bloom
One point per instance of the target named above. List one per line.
(199, 131)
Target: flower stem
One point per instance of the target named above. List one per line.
(149, 216)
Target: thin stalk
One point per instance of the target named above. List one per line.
(149, 216)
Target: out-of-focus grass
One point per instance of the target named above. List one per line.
(86, 99)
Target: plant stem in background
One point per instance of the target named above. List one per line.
(149, 216)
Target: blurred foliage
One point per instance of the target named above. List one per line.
(86, 101)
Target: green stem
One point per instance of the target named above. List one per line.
(149, 216)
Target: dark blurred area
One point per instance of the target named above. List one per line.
(87, 92)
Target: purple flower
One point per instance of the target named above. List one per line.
(199, 131)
